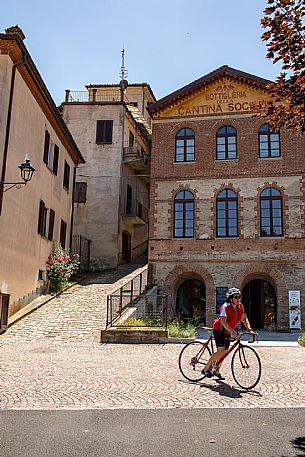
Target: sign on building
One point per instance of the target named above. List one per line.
(294, 307)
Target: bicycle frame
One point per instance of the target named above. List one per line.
(227, 352)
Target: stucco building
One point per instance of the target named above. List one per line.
(37, 215)
(227, 202)
(112, 128)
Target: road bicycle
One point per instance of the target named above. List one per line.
(245, 365)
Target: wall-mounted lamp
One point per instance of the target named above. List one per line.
(26, 172)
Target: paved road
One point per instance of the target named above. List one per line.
(153, 433)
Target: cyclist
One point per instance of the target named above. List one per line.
(231, 314)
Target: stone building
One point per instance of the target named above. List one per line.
(40, 213)
(227, 203)
(112, 128)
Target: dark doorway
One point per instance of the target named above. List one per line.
(191, 300)
(260, 302)
(129, 199)
(126, 251)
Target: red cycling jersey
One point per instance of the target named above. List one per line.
(233, 317)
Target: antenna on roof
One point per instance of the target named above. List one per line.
(123, 76)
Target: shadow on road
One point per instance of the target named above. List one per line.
(225, 389)
(299, 445)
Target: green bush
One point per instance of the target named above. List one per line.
(60, 267)
(181, 329)
(301, 339)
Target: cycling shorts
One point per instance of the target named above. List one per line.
(222, 339)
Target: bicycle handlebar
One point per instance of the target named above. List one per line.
(254, 337)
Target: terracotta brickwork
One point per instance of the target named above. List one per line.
(223, 262)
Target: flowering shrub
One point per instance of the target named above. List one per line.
(60, 267)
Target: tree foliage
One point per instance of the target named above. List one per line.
(284, 34)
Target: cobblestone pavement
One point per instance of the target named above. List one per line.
(52, 359)
(78, 314)
(51, 375)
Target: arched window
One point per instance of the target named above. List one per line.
(185, 145)
(184, 215)
(226, 143)
(269, 142)
(271, 212)
(226, 214)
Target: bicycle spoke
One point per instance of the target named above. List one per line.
(192, 359)
(246, 367)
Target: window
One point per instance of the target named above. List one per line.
(42, 219)
(184, 215)
(185, 145)
(131, 139)
(55, 159)
(269, 142)
(66, 176)
(80, 192)
(271, 212)
(40, 275)
(226, 214)
(46, 147)
(51, 224)
(104, 132)
(63, 233)
(51, 153)
(226, 139)
(128, 199)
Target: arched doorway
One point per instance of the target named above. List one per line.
(126, 251)
(191, 300)
(260, 302)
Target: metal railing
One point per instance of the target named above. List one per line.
(85, 96)
(134, 208)
(125, 296)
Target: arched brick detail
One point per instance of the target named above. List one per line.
(178, 275)
(276, 278)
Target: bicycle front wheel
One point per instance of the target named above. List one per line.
(192, 359)
(246, 367)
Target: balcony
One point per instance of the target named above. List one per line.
(85, 96)
(137, 160)
(134, 212)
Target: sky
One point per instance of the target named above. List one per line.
(168, 43)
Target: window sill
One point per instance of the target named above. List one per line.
(227, 160)
(268, 158)
(185, 162)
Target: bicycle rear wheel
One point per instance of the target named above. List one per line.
(246, 367)
(192, 359)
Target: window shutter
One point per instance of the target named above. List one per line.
(104, 131)
(80, 192)
(66, 176)
(55, 160)
(46, 147)
(108, 133)
(63, 231)
(51, 225)
(42, 219)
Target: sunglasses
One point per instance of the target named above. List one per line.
(236, 296)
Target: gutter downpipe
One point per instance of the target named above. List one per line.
(72, 211)
(8, 126)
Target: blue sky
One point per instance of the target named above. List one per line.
(168, 43)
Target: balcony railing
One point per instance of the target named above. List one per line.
(136, 210)
(91, 96)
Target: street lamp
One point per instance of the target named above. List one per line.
(26, 172)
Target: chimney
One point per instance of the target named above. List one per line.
(15, 30)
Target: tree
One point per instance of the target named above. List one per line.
(284, 33)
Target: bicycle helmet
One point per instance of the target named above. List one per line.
(232, 291)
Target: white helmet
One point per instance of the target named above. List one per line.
(232, 291)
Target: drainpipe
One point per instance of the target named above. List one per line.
(72, 211)
(8, 124)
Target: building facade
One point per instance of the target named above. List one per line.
(227, 203)
(112, 128)
(35, 216)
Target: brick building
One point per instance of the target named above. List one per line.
(227, 202)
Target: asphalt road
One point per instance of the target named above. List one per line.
(153, 433)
